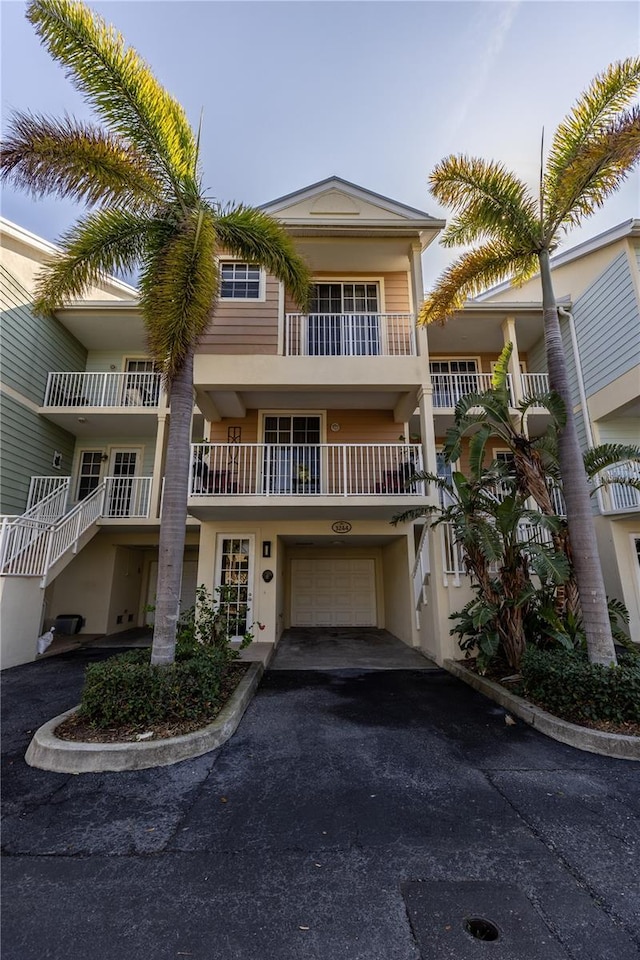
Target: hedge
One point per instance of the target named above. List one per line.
(127, 690)
(567, 685)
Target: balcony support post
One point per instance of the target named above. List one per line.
(509, 336)
(158, 465)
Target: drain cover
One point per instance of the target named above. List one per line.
(470, 920)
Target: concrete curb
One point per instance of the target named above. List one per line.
(47, 752)
(616, 745)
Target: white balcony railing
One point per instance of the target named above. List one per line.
(127, 497)
(450, 388)
(534, 384)
(268, 470)
(617, 497)
(349, 335)
(102, 390)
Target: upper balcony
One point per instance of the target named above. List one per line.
(350, 335)
(127, 402)
(619, 498)
(450, 388)
(292, 480)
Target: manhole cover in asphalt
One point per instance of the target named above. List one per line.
(473, 919)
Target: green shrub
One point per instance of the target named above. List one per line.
(566, 684)
(127, 690)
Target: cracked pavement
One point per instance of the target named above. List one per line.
(302, 835)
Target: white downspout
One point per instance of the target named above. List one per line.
(581, 390)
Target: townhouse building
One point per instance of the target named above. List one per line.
(306, 431)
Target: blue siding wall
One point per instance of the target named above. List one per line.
(608, 326)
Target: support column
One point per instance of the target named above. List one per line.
(509, 336)
(158, 465)
(416, 289)
(427, 429)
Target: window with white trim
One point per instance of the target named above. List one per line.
(240, 281)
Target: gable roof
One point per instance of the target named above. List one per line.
(323, 187)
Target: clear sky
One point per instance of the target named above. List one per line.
(374, 92)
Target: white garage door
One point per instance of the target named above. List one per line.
(333, 593)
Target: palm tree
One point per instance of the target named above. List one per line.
(535, 465)
(592, 152)
(141, 166)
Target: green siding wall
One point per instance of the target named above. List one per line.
(32, 347)
(28, 444)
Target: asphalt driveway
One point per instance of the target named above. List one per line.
(353, 815)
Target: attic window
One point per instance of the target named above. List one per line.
(240, 281)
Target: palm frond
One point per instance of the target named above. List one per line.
(72, 159)
(598, 169)
(178, 287)
(417, 513)
(117, 83)
(551, 401)
(548, 563)
(490, 201)
(258, 238)
(472, 273)
(607, 455)
(103, 242)
(501, 369)
(477, 449)
(610, 92)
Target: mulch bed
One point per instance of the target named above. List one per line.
(504, 676)
(77, 729)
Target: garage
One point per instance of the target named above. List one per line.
(333, 592)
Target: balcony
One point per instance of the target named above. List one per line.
(349, 335)
(450, 388)
(120, 404)
(286, 476)
(79, 390)
(620, 498)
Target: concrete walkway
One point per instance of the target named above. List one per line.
(339, 648)
(355, 815)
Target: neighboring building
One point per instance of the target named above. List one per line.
(600, 279)
(306, 429)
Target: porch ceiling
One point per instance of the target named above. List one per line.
(88, 422)
(475, 332)
(235, 403)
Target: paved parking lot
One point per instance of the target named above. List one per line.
(355, 814)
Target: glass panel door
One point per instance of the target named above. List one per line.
(292, 457)
(235, 563)
(452, 380)
(123, 470)
(89, 473)
(344, 320)
(139, 389)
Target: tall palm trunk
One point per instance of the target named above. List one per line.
(174, 515)
(584, 545)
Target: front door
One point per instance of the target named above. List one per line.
(122, 470)
(292, 454)
(234, 574)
